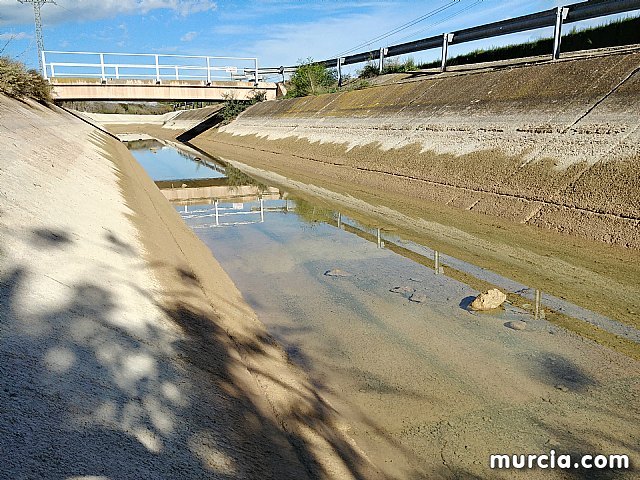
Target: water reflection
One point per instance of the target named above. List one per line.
(166, 163)
(235, 199)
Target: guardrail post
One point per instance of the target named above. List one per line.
(117, 72)
(177, 74)
(208, 71)
(561, 16)
(446, 38)
(383, 52)
(256, 84)
(104, 78)
(157, 70)
(44, 66)
(261, 210)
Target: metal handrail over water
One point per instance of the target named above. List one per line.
(149, 66)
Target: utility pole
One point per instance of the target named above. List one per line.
(38, 21)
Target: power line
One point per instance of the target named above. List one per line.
(401, 27)
(459, 12)
(37, 4)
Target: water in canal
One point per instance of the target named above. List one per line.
(379, 323)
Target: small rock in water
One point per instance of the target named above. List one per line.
(418, 298)
(415, 279)
(516, 325)
(488, 300)
(403, 290)
(562, 388)
(336, 272)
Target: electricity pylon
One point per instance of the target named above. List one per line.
(38, 20)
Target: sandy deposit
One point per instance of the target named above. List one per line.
(126, 351)
(555, 145)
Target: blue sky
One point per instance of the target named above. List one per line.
(278, 32)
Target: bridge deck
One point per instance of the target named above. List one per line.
(79, 89)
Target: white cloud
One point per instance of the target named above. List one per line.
(15, 36)
(13, 13)
(188, 37)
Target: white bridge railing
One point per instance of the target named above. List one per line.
(57, 64)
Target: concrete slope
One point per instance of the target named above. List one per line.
(125, 350)
(555, 144)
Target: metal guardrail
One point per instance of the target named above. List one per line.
(555, 17)
(148, 66)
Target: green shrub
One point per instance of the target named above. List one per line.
(233, 107)
(371, 69)
(18, 82)
(312, 79)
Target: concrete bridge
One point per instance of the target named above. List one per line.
(79, 89)
(152, 77)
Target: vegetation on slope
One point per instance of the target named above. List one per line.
(312, 79)
(18, 82)
(233, 107)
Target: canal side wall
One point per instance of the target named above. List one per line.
(173, 122)
(555, 144)
(124, 346)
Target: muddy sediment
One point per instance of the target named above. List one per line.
(554, 145)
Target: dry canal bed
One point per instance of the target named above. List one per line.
(381, 326)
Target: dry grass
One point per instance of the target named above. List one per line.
(18, 82)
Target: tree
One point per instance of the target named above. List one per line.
(312, 79)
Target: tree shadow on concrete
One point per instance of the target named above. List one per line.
(50, 237)
(87, 390)
(561, 372)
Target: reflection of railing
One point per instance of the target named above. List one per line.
(218, 212)
(148, 66)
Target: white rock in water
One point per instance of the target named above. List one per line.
(516, 325)
(336, 272)
(488, 300)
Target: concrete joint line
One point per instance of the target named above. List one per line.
(445, 184)
(607, 95)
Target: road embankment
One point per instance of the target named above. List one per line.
(125, 349)
(555, 145)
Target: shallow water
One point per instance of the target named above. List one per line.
(297, 233)
(166, 163)
(326, 287)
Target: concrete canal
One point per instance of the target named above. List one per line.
(381, 326)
